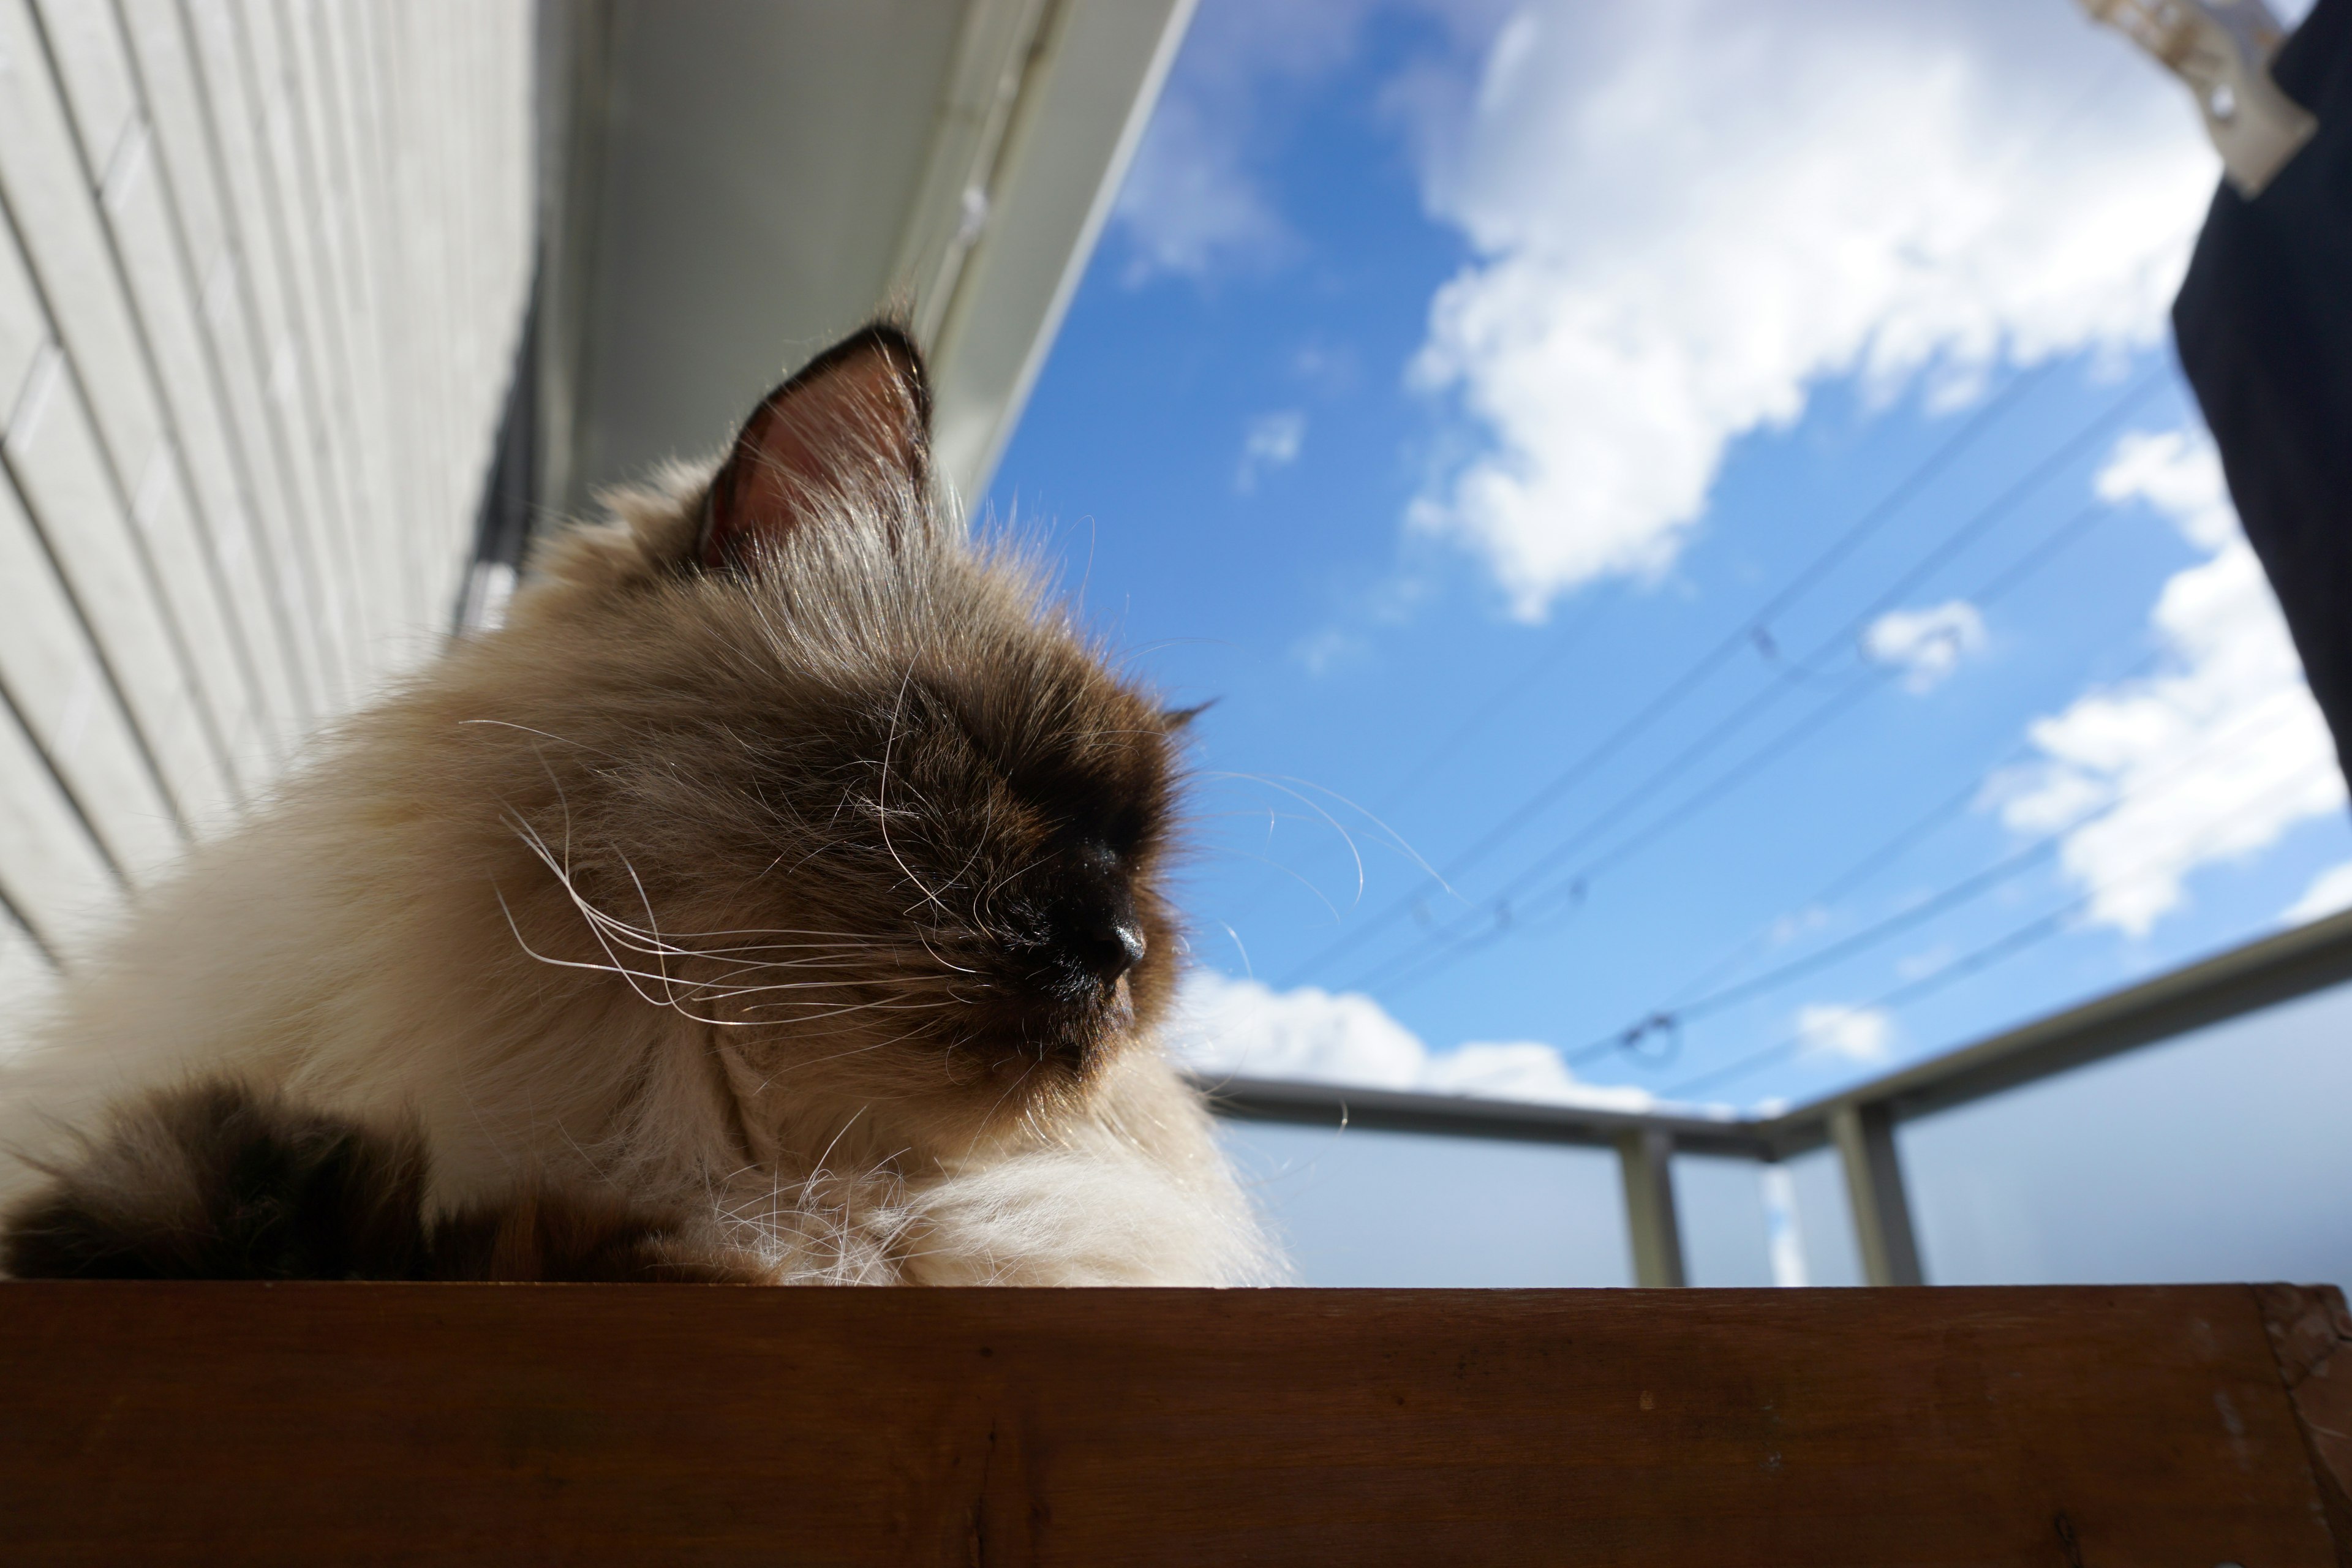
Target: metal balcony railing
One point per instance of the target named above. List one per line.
(1859, 1122)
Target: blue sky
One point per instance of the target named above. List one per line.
(1711, 479)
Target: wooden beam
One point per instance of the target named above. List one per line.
(361, 1424)
(2311, 1334)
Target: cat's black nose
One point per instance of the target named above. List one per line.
(1111, 949)
(1096, 925)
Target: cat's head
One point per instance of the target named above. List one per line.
(796, 757)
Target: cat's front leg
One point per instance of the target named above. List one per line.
(217, 1181)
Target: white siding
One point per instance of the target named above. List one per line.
(262, 266)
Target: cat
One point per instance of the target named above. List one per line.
(779, 894)
(213, 1181)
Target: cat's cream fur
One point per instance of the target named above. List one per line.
(530, 901)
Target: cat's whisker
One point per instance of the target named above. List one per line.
(596, 929)
(1330, 821)
(546, 734)
(653, 924)
(998, 1105)
(852, 1007)
(612, 968)
(1286, 783)
(1294, 875)
(608, 929)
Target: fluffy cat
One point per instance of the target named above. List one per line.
(777, 894)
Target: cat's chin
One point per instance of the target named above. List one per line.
(1044, 1049)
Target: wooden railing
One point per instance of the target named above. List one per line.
(359, 1423)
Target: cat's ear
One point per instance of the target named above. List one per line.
(1174, 721)
(855, 420)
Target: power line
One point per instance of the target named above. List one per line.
(1854, 876)
(1958, 893)
(1958, 539)
(1567, 639)
(1707, 663)
(1992, 593)
(1482, 926)
(2030, 934)
(1570, 637)
(1459, 941)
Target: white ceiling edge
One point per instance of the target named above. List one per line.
(755, 177)
(1090, 94)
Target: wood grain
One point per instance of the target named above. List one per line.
(356, 1423)
(2311, 1334)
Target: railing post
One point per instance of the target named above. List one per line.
(1864, 1135)
(1647, 1156)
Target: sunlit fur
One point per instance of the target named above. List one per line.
(718, 889)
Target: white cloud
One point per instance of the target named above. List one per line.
(1328, 649)
(1186, 207)
(1925, 644)
(1685, 213)
(1192, 204)
(1244, 1027)
(1273, 441)
(2212, 759)
(2330, 891)
(1856, 1034)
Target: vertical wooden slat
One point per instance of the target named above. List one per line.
(352, 37)
(93, 72)
(55, 878)
(24, 328)
(312, 206)
(327, 105)
(25, 968)
(248, 654)
(60, 694)
(54, 459)
(264, 299)
(316, 380)
(249, 445)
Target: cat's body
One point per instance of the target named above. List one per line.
(779, 866)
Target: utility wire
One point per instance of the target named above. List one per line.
(2030, 934)
(1480, 927)
(1742, 637)
(1570, 638)
(1500, 915)
(2017, 572)
(1754, 631)
(1875, 860)
(1969, 888)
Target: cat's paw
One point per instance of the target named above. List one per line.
(216, 1181)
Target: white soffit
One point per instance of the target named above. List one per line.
(765, 174)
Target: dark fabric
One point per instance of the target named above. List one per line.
(2264, 327)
